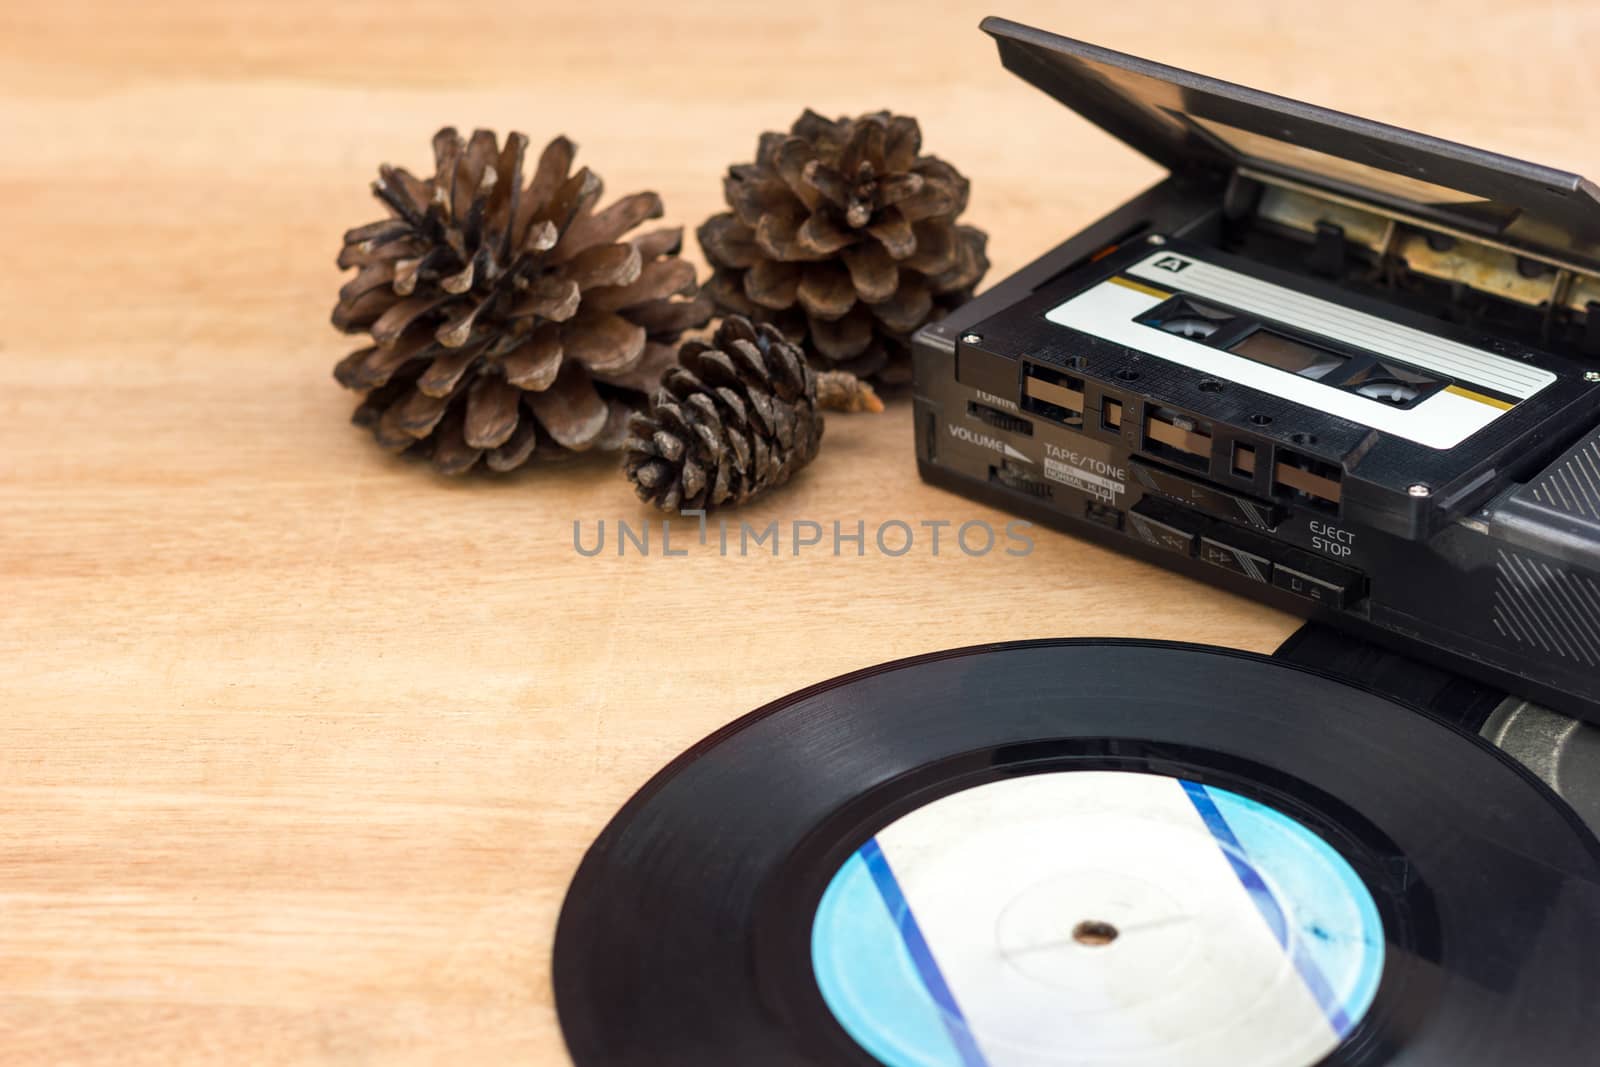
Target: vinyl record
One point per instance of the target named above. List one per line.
(1085, 852)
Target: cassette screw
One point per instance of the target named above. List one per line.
(1420, 491)
(1591, 375)
(1157, 239)
(971, 338)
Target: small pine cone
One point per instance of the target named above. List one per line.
(845, 237)
(508, 319)
(737, 417)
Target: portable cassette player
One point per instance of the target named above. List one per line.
(1346, 369)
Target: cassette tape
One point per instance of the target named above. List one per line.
(1346, 369)
(1237, 327)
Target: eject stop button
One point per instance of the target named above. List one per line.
(1324, 583)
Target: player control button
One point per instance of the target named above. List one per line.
(1164, 526)
(1331, 586)
(1252, 565)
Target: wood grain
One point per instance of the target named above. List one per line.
(302, 743)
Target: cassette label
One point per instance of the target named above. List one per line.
(1417, 386)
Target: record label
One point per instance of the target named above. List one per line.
(1097, 917)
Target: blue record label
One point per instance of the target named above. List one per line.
(1097, 917)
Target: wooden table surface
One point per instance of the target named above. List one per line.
(301, 743)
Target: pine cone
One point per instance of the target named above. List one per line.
(736, 418)
(508, 319)
(846, 239)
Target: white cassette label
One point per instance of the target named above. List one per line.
(1443, 419)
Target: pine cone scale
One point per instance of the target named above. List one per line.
(551, 299)
(508, 193)
(825, 291)
(453, 332)
(903, 144)
(388, 327)
(555, 163)
(821, 235)
(459, 282)
(843, 338)
(741, 457)
(570, 410)
(376, 233)
(358, 314)
(532, 365)
(350, 371)
(894, 233)
(654, 284)
(666, 241)
(728, 241)
(363, 253)
(388, 433)
(380, 364)
(937, 250)
(772, 283)
(830, 186)
(451, 453)
(420, 413)
(899, 187)
(644, 375)
(491, 413)
(602, 340)
(516, 451)
(541, 236)
(873, 272)
(445, 372)
(606, 226)
(603, 265)
(392, 188)
(581, 190)
(370, 278)
(792, 158)
(971, 262)
(726, 289)
(907, 309)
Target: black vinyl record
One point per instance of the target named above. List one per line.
(1022, 854)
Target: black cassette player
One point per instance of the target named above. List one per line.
(1346, 369)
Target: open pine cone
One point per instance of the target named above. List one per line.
(736, 418)
(506, 318)
(845, 237)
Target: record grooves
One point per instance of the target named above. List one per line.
(1383, 888)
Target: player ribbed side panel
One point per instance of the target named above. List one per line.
(1573, 485)
(1547, 607)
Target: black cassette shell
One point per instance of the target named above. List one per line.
(683, 938)
(1378, 467)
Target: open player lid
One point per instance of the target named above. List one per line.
(1197, 125)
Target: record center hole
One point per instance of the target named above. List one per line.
(1094, 933)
